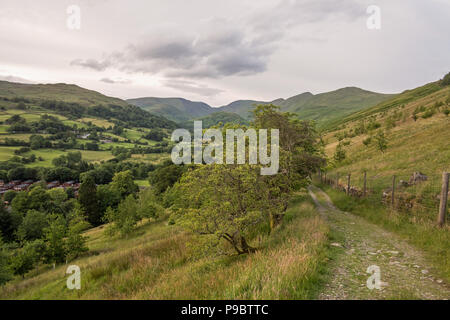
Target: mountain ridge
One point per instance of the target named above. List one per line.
(322, 107)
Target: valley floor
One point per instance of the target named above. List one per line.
(358, 244)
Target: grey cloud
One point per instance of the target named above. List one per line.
(91, 64)
(114, 81)
(223, 47)
(191, 87)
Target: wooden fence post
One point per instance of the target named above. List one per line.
(444, 196)
(365, 184)
(393, 191)
(348, 184)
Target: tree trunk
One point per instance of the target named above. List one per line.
(245, 247)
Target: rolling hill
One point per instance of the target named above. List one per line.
(60, 92)
(76, 102)
(323, 108)
(175, 109)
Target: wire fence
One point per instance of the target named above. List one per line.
(418, 193)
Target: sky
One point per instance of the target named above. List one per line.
(220, 51)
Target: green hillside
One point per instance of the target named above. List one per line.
(242, 107)
(403, 135)
(324, 108)
(216, 118)
(329, 106)
(60, 92)
(175, 109)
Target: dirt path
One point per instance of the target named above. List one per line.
(358, 244)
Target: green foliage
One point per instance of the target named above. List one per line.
(9, 196)
(381, 141)
(9, 222)
(149, 206)
(87, 196)
(24, 259)
(123, 183)
(32, 226)
(123, 219)
(446, 80)
(76, 242)
(339, 153)
(229, 204)
(165, 176)
(367, 141)
(5, 268)
(55, 240)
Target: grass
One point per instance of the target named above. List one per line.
(142, 183)
(155, 262)
(49, 154)
(433, 241)
(7, 152)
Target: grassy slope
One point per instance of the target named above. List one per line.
(60, 91)
(420, 145)
(330, 106)
(155, 263)
(175, 109)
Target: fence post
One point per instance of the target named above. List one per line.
(444, 196)
(348, 184)
(365, 184)
(337, 181)
(393, 190)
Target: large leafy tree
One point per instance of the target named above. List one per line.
(222, 202)
(232, 202)
(123, 183)
(32, 226)
(55, 240)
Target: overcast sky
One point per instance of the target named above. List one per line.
(219, 51)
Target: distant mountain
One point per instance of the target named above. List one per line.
(175, 109)
(324, 107)
(242, 107)
(58, 92)
(330, 106)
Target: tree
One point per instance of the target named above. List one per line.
(24, 259)
(339, 154)
(221, 202)
(123, 183)
(32, 226)
(165, 176)
(87, 196)
(20, 203)
(76, 242)
(107, 197)
(148, 204)
(124, 218)
(5, 269)
(39, 199)
(381, 141)
(9, 222)
(55, 239)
